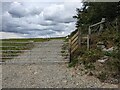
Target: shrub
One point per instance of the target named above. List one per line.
(90, 66)
(73, 63)
(91, 56)
(63, 51)
(102, 76)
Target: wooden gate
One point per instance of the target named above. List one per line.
(75, 40)
(74, 44)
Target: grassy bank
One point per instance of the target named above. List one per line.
(100, 62)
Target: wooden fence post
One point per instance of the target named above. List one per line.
(70, 49)
(74, 44)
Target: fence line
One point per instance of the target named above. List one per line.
(75, 40)
(74, 43)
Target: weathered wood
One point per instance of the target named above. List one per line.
(76, 47)
(73, 45)
(69, 43)
(75, 40)
(73, 37)
(84, 37)
(102, 21)
(89, 31)
(70, 56)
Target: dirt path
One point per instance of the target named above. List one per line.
(37, 71)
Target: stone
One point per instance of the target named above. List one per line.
(65, 81)
(90, 74)
(77, 84)
(109, 49)
(103, 59)
(35, 72)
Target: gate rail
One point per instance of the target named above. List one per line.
(75, 40)
(74, 43)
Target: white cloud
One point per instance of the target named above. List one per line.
(41, 1)
(7, 35)
(39, 19)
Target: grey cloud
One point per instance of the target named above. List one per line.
(17, 13)
(58, 15)
(20, 10)
(35, 11)
(35, 20)
(48, 23)
(60, 20)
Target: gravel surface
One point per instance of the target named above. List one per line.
(45, 67)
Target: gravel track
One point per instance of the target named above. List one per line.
(37, 71)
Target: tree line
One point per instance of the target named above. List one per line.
(93, 12)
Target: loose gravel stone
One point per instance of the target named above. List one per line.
(46, 75)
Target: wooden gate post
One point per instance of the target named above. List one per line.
(70, 56)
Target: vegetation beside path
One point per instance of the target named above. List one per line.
(103, 58)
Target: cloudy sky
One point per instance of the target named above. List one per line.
(38, 19)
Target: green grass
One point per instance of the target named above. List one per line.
(17, 44)
(62, 51)
(110, 69)
(73, 62)
(59, 38)
(25, 40)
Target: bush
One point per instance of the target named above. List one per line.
(90, 66)
(112, 54)
(102, 76)
(63, 51)
(113, 64)
(73, 63)
(91, 56)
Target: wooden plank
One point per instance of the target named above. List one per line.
(75, 40)
(69, 41)
(69, 46)
(84, 37)
(76, 47)
(73, 50)
(72, 38)
(74, 44)
(97, 24)
(70, 56)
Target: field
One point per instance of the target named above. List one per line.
(9, 48)
(13, 47)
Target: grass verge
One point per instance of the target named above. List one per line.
(11, 48)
